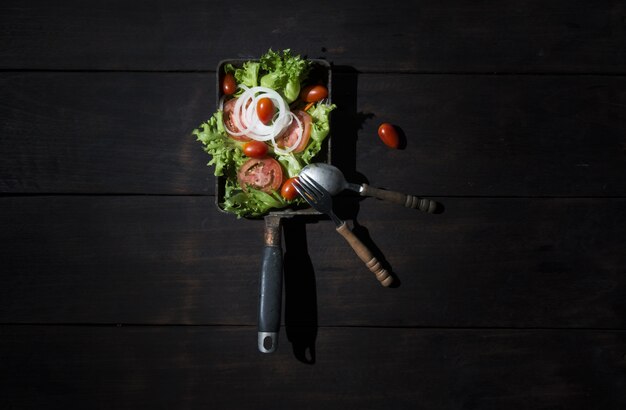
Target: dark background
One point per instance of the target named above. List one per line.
(123, 287)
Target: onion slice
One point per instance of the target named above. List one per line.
(284, 151)
(246, 119)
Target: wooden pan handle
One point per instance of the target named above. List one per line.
(410, 201)
(365, 255)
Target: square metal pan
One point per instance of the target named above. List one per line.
(321, 72)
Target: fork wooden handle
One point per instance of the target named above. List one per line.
(365, 255)
(410, 201)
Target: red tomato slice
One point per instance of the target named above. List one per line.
(263, 174)
(289, 137)
(229, 106)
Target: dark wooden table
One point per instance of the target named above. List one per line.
(122, 287)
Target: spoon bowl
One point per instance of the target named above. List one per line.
(328, 176)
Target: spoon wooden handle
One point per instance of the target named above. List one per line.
(365, 255)
(409, 201)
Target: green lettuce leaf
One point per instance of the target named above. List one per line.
(285, 73)
(290, 164)
(252, 203)
(224, 151)
(320, 128)
(247, 75)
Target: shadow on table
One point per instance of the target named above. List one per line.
(346, 124)
(346, 121)
(300, 292)
(301, 320)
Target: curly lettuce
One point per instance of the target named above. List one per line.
(252, 203)
(224, 151)
(247, 75)
(320, 128)
(285, 73)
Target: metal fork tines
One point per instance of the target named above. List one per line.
(320, 199)
(317, 196)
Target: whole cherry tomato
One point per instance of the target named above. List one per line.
(255, 149)
(313, 93)
(288, 191)
(229, 85)
(389, 135)
(265, 110)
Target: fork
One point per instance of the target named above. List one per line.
(320, 199)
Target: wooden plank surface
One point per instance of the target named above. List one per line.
(428, 36)
(215, 367)
(176, 260)
(104, 133)
(465, 135)
(491, 136)
(122, 287)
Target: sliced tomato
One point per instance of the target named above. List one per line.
(289, 137)
(263, 174)
(229, 107)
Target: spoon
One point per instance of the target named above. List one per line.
(331, 178)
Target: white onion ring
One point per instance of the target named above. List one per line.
(246, 119)
(284, 151)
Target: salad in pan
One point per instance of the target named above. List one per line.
(272, 119)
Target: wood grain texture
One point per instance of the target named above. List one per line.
(464, 135)
(216, 367)
(121, 286)
(104, 132)
(176, 260)
(427, 36)
(495, 136)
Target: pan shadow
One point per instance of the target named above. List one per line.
(346, 121)
(301, 317)
(300, 291)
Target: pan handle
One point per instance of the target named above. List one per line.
(270, 286)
